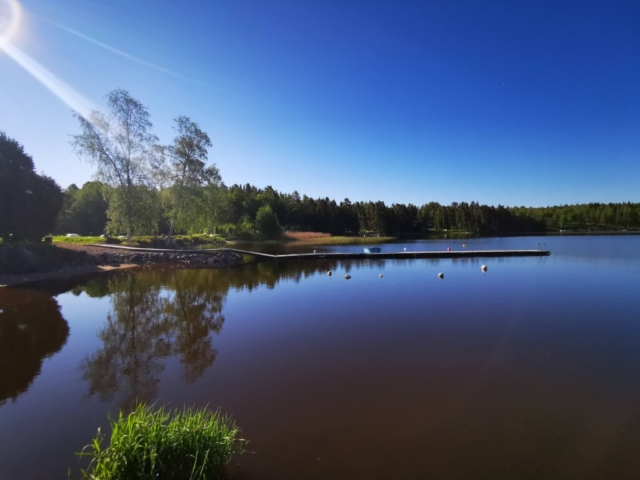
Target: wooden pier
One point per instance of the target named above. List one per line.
(394, 255)
(353, 255)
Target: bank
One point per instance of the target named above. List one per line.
(24, 264)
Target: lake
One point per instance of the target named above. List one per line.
(530, 370)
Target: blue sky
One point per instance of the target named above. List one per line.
(514, 103)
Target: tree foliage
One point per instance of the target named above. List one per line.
(267, 222)
(187, 171)
(124, 150)
(29, 203)
(84, 210)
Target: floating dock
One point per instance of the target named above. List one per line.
(407, 255)
(352, 255)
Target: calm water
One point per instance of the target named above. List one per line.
(529, 371)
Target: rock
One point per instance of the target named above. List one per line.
(106, 257)
(136, 258)
(16, 260)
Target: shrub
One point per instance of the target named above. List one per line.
(267, 222)
(171, 445)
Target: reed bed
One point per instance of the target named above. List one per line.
(345, 240)
(168, 444)
(304, 235)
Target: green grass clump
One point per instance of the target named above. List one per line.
(177, 241)
(82, 240)
(164, 444)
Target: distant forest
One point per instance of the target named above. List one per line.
(233, 211)
(145, 188)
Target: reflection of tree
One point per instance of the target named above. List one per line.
(31, 329)
(163, 312)
(144, 327)
(134, 340)
(194, 312)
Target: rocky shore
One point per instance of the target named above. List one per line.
(22, 264)
(223, 258)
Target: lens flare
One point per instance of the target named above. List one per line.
(10, 19)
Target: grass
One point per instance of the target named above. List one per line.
(80, 240)
(177, 241)
(164, 444)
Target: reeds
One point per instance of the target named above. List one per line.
(304, 235)
(169, 444)
(345, 240)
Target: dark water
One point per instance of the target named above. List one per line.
(529, 371)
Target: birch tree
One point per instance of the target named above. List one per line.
(121, 145)
(187, 171)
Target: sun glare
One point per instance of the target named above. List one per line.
(10, 19)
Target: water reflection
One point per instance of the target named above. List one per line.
(166, 312)
(135, 338)
(145, 326)
(31, 329)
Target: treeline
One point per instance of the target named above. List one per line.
(145, 188)
(29, 202)
(239, 211)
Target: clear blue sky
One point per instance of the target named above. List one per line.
(518, 103)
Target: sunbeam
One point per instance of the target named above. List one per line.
(8, 29)
(54, 84)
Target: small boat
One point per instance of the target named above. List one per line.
(372, 250)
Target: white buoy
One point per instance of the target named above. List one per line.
(405, 249)
(464, 245)
(329, 273)
(441, 275)
(314, 251)
(347, 276)
(483, 268)
(380, 275)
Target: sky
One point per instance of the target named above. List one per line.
(515, 103)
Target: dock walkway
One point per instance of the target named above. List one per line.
(351, 255)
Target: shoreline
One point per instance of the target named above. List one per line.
(89, 260)
(29, 278)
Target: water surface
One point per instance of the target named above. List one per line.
(531, 370)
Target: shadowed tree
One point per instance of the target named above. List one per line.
(29, 203)
(85, 210)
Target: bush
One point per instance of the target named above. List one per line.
(267, 222)
(171, 445)
(178, 241)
